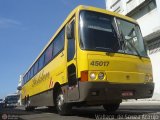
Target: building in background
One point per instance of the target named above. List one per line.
(147, 14)
(19, 89)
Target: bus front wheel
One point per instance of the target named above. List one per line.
(111, 107)
(62, 107)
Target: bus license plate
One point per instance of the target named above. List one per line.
(127, 93)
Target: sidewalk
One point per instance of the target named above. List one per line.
(141, 102)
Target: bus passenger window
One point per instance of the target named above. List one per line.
(48, 54)
(35, 68)
(58, 43)
(31, 74)
(41, 62)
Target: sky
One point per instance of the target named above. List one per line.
(25, 28)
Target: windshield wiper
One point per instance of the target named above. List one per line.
(124, 40)
(134, 49)
(106, 49)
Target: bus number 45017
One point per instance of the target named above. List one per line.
(99, 63)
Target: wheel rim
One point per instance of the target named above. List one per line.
(60, 101)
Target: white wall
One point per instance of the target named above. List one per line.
(109, 3)
(118, 6)
(150, 22)
(158, 5)
(155, 59)
(131, 5)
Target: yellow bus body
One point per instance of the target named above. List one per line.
(121, 69)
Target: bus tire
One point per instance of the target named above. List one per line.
(27, 105)
(61, 107)
(52, 108)
(111, 107)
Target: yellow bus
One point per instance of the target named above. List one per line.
(96, 57)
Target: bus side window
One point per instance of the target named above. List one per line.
(25, 79)
(41, 62)
(35, 68)
(58, 43)
(31, 74)
(71, 46)
(48, 53)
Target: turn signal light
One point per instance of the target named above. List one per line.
(84, 76)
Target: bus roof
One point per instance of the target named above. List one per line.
(77, 9)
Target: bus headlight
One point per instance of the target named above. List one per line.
(101, 76)
(93, 76)
(148, 78)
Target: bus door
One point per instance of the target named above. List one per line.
(73, 88)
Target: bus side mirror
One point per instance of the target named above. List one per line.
(19, 88)
(70, 31)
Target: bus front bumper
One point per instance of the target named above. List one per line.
(102, 92)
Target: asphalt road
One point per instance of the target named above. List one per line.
(127, 111)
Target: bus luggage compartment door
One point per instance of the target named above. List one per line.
(73, 90)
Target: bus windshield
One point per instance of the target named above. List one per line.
(99, 32)
(131, 38)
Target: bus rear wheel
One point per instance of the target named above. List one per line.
(111, 107)
(62, 107)
(27, 105)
